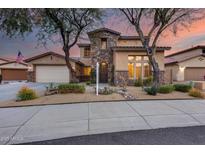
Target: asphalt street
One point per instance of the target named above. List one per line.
(167, 136)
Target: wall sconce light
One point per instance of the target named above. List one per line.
(181, 68)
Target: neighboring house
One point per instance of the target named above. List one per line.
(186, 65)
(121, 58)
(13, 71)
(51, 67)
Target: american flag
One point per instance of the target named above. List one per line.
(19, 57)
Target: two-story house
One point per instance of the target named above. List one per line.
(121, 58)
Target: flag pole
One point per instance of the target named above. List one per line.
(97, 78)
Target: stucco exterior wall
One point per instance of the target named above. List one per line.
(175, 69)
(129, 43)
(121, 59)
(187, 54)
(179, 68)
(48, 60)
(194, 62)
(14, 66)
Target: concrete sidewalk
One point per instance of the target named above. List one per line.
(27, 124)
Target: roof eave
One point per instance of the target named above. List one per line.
(103, 29)
(83, 45)
(186, 50)
(137, 48)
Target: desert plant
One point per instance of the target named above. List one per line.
(196, 93)
(151, 91)
(88, 83)
(138, 82)
(51, 86)
(26, 93)
(71, 88)
(166, 89)
(148, 81)
(182, 87)
(75, 81)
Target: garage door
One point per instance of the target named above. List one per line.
(194, 73)
(14, 74)
(52, 74)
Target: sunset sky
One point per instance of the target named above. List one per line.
(185, 38)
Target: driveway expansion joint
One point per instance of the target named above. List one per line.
(23, 124)
(139, 114)
(189, 114)
(88, 116)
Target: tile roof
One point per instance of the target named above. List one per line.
(104, 29)
(49, 53)
(170, 60)
(119, 48)
(186, 50)
(123, 37)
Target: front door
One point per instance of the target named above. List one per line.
(103, 73)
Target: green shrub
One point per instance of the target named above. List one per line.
(196, 93)
(148, 81)
(138, 82)
(71, 88)
(145, 82)
(182, 87)
(26, 93)
(88, 83)
(151, 90)
(166, 89)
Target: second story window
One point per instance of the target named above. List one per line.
(203, 51)
(103, 43)
(87, 52)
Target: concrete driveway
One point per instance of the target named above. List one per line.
(27, 124)
(9, 91)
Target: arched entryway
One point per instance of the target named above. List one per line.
(103, 72)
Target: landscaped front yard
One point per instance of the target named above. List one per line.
(140, 94)
(90, 96)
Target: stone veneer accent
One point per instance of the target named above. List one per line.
(103, 55)
(30, 76)
(121, 77)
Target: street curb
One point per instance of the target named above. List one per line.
(100, 102)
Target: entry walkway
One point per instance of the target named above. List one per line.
(37, 123)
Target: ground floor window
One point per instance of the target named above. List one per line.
(147, 70)
(138, 70)
(87, 71)
(131, 70)
(138, 67)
